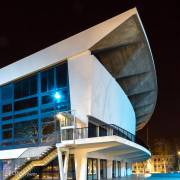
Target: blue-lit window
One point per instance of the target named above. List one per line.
(47, 99)
(7, 92)
(7, 108)
(26, 132)
(29, 105)
(25, 87)
(114, 169)
(7, 131)
(47, 80)
(61, 75)
(5, 118)
(24, 104)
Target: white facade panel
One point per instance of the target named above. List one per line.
(93, 91)
(80, 70)
(109, 102)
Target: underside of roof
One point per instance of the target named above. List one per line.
(126, 54)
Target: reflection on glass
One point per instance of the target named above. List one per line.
(103, 169)
(92, 169)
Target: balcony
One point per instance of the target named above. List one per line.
(72, 129)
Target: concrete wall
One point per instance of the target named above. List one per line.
(80, 70)
(109, 102)
(95, 92)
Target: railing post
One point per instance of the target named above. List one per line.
(74, 130)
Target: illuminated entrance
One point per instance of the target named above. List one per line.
(92, 169)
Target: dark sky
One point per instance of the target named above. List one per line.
(27, 28)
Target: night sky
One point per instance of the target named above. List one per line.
(28, 28)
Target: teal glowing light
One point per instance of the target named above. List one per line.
(57, 96)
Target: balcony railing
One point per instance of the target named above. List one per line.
(110, 130)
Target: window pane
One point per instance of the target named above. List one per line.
(7, 93)
(7, 108)
(7, 126)
(92, 130)
(7, 134)
(102, 131)
(95, 168)
(24, 104)
(48, 128)
(47, 80)
(61, 75)
(103, 169)
(67, 134)
(114, 169)
(26, 131)
(47, 99)
(6, 118)
(90, 169)
(48, 119)
(25, 87)
(26, 114)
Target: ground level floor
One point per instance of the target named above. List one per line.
(96, 169)
(98, 158)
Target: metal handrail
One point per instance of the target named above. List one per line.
(115, 131)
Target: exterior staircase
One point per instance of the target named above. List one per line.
(25, 169)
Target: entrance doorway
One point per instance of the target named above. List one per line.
(103, 169)
(119, 168)
(92, 169)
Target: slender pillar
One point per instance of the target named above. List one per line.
(109, 169)
(99, 176)
(81, 165)
(60, 160)
(123, 168)
(66, 160)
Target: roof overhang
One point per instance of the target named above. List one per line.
(111, 146)
(126, 54)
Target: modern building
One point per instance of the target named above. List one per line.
(71, 111)
(156, 164)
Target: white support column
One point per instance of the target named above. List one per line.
(129, 168)
(109, 169)
(123, 168)
(81, 165)
(98, 168)
(116, 169)
(60, 160)
(66, 160)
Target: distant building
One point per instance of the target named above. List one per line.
(156, 164)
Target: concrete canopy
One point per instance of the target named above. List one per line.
(126, 54)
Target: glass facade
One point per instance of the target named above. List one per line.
(114, 169)
(103, 169)
(92, 169)
(28, 106)
(119, 168)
